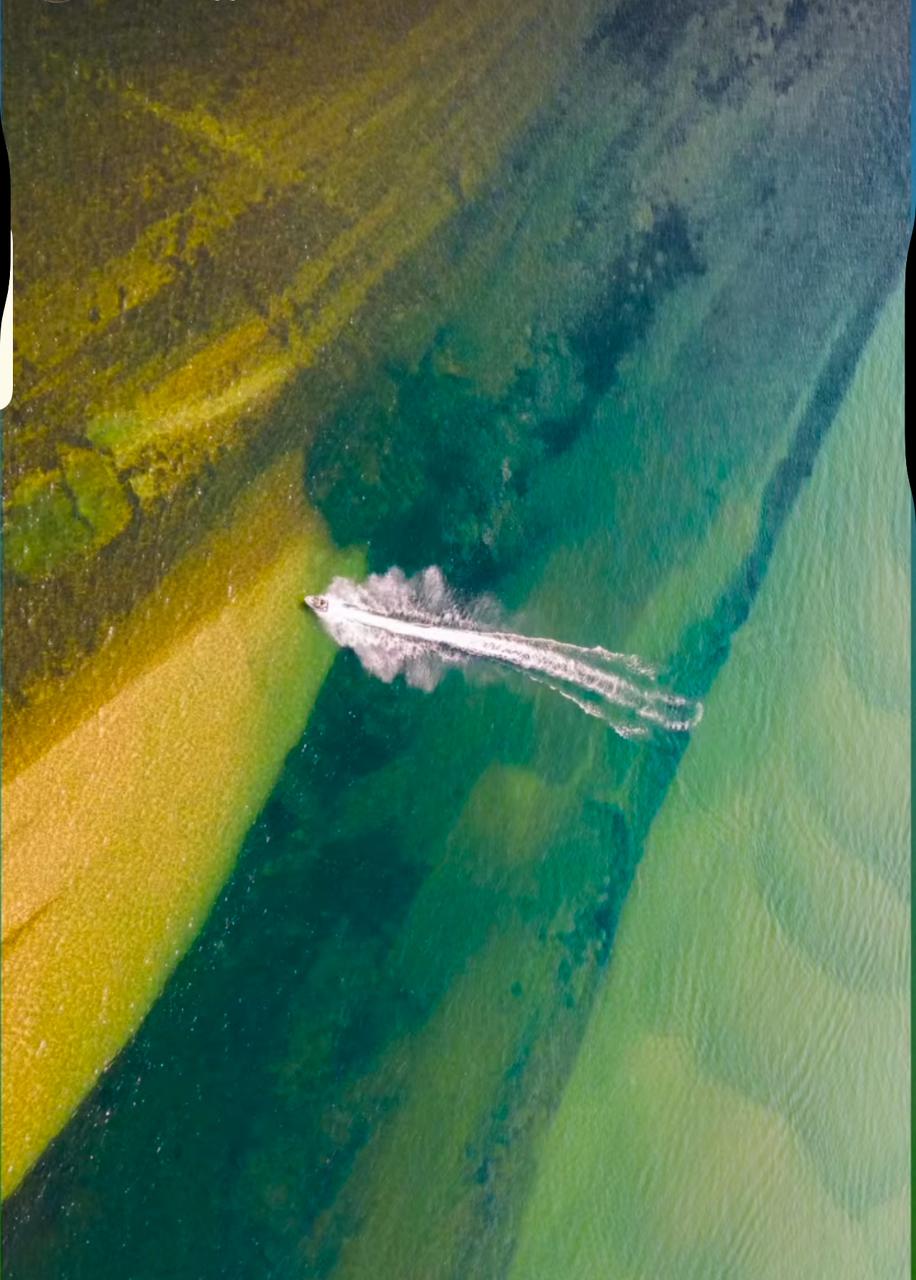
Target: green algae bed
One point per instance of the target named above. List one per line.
(489, 991)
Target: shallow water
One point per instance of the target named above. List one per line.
(751, 1049)
(433, 1027)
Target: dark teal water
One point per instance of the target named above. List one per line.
(377, 1060)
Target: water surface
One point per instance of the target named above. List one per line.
(430, 1030)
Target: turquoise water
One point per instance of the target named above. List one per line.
(493, 991)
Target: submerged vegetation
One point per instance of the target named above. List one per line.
(425, 467)
(56, 518)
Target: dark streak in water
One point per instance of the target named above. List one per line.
(664, 256)
(705, 647)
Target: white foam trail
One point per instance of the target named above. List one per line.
(416, 627)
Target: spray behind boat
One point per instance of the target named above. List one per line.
(417, 627)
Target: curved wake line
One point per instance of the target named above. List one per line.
(416, 627)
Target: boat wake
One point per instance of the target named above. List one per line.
(416, 627)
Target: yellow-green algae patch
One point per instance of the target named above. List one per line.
(57, 517)
(119, 834)
(511, 812)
